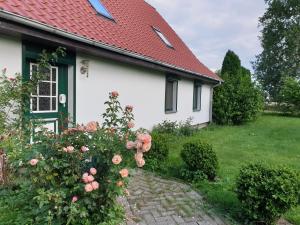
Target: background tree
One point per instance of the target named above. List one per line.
(280, 40)
(237, 100)
(289, 95)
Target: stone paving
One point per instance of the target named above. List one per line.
(157, 201)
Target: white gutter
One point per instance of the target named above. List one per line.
(41, 26)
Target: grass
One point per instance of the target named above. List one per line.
(270, 139)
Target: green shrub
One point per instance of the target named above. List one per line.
(267, 193)
(159, 151)
(289, 95)
(166, 127)
(199, 156)
(186, 128)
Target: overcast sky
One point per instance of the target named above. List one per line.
(211, 27)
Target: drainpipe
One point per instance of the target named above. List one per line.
(211, 100)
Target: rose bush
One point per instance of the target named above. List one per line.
(76, 177)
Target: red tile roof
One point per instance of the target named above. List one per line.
(132, 30)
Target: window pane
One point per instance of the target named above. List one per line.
(169, 95)
(53, 89)
(34, 104)
(44, 88)
(44, 104)
(54, 104)
(54, 70)
(197, 97)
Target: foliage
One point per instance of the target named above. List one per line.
(237, 100)
(280, 40)
(75, 177)
(289, 95)
(272, 139)
(267, 193)
(158, 155)
(200, 157)
(175, 128)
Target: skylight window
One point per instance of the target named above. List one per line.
(100, 8)
(163, 37)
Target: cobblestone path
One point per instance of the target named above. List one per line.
(157, 201)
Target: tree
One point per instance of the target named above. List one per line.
(289, 95)
(281, 45)
(237, 100)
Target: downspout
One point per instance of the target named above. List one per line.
(211, 100)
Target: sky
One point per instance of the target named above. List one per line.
(211, 27)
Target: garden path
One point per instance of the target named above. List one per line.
(157, 201)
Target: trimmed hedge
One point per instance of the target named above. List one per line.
(266, 193)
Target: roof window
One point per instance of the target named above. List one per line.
(163, 37)
(100, 8)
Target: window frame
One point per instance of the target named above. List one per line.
(197, 96)
(106, 14)
(163, 38)
(175, 98)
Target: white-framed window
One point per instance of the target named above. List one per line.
(44, 99)
(163, 37)
(197, 96)
(171, 95)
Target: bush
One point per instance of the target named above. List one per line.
(159, 151)
(166, 127)
(267, 193)
(237, 100)
(186, 128)
(76, 177)
(289, 95)
(199, 156)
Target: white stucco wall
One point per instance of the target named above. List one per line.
(144, 89)
(10, 55)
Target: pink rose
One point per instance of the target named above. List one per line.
(90, 178)
(139, 145)
(124, 173)
(74, 199)
(114, 94)
(130, 124)
(120, 183)
(84, 149)
(93, 171)
(146, 147)
(33, 162)
(12, 79)
(85, 177)
(117, 159)
(140, 162)
(95, 185)
(69, 149)
(130, 145)
(91, 127)
(129, 108)
(88, 188)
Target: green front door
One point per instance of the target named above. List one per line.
(49, 101)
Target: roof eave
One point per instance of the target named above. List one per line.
(44, 27)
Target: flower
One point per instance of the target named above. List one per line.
(93, 171)
(146, 147)
(130, 125)
(145, 138)
(120, 183)
(140, 162)
(126, 192)
(85, 177)
(33, 162)
(129, 108)
(12, 79)
(124, 173)
(130, 145)
(90, 178)
(138, 156)
(95, 185)
(75, 199)
(84, 149)
(88, 188)
(69, 149)
(114, 94)
(117, 159)
(139, 145)
(91, 127)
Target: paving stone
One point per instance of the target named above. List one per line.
(158, 201)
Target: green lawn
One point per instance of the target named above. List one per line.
(271, 139)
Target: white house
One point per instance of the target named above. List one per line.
(111, 45)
